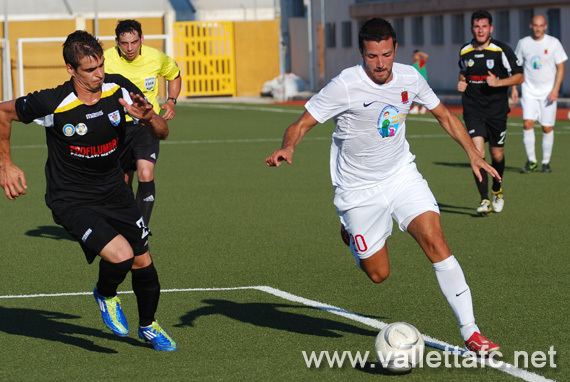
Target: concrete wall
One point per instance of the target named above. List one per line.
(43, 62)
(257, 55)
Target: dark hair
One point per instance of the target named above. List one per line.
(127, 26)
(481, 14)
(80, 44)
(375, 29)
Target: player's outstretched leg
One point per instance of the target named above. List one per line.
(112, 314)
(147, 290)
(105, 294)
(455, 289)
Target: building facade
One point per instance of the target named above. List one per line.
(438, 27)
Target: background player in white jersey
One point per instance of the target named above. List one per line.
(542, 57)
(373, 171)
(142, 65)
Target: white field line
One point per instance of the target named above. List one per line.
(560, 129)
(277, 140)
(271, 109)
(374, 323)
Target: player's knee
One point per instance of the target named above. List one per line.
(142, 261)
(378, 275)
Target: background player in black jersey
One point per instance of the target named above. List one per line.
(487, 68)
(84, 119)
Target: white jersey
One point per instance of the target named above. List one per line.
(369, 142)
(539, 59)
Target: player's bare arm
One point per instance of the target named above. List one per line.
(514, 94)
(453, 126)
(143, 111)
(169, 106)
(553, 96)
(12, 178)
(293, 135)
(461, 83)
(495, 82)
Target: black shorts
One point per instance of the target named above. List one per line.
(95, 226)
(138, 143)
(493, 130)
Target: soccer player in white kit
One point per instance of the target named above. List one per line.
(542, 57)
(373, 172)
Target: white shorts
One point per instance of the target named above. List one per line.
(539, 110)
(367, 214)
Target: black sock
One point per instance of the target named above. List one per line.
(147, 289)
(145, 199)
(111, 275)
(500, 167)
(483, 186)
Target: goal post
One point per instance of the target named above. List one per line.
(26, 41)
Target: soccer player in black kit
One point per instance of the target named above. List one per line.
(487, 68)
(84, 120)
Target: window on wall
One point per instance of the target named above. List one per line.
(346, 34)
(330, 35)
(525, 18)
(458, 28)
(399, 29)
(418, 30)
(553, 15)
(503, 26)
(437, 30)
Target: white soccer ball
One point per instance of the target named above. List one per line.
(399, 347)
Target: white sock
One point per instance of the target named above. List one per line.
(528, 140)
(455, 289)
(547, 143)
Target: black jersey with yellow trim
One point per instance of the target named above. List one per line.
(83, 141)
(475, 64)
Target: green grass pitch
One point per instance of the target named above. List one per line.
(223, 219)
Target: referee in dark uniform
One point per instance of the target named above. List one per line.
(487, 68)
(84, 121)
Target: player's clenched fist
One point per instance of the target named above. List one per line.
(462, 86)
(12, 180)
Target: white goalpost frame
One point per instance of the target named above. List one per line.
(20, 50)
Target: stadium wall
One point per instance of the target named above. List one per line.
(256, 55)
(43, 62)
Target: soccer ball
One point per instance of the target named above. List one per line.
(399, 347)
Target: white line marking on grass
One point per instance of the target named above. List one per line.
(273, 109)
(374, 323)
(262, 140)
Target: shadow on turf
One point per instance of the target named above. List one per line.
(44, 325)
(270, 316)
(467, 165)
(449, 209)
(50, 232)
